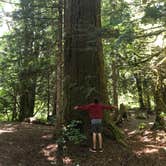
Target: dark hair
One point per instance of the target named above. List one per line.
(96, 100)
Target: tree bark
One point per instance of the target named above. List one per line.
(59, 113)
(84, 77)
(83, 58)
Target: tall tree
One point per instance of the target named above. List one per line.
(160, 105)
(140, 91)
(29, 53)
(59, 114)
(84, 77)
(115, 76)
(83, 58)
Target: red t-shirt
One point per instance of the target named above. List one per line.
(95, 110)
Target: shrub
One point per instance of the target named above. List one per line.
(142, 126)
(72, 133)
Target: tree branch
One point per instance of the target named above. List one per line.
(150, 34)
(149, 58)
(9, 2)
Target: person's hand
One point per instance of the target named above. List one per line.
(115, 107)
(76, 107)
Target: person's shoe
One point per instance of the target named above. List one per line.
(101, 150)
(92, 150)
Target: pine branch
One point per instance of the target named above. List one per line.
(37, 6)
(9, 2)
(151, 34)
(149, 58)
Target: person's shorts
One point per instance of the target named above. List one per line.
(96, 125)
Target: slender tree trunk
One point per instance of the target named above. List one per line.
(14, 113)
(140, 91)
(28, 62)
(147, 96)
(29, 54)
(164, 93)
(160, 106)
(27, 98)
(59, 113)
(115, 76)
(48, 95)
(149, 108)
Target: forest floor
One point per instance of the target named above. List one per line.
(23, 144)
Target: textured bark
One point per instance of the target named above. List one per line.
(83, 58)
(83, 62)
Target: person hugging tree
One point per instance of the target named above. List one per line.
(95, 111)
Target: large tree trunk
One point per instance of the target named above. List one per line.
(83, 58)
(83, 62)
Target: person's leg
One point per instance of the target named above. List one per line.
(94, 140)
(100, 141)
(94, 135)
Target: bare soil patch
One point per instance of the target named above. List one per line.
(23, 144)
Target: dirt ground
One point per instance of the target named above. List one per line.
(23, 144)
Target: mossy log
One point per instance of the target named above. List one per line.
(113, 132)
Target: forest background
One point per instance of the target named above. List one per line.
(134, 53)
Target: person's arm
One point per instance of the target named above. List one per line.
(83, 107)
(109, 107)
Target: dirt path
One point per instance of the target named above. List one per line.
(149, 147)
(24, 144)
(146, 148)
